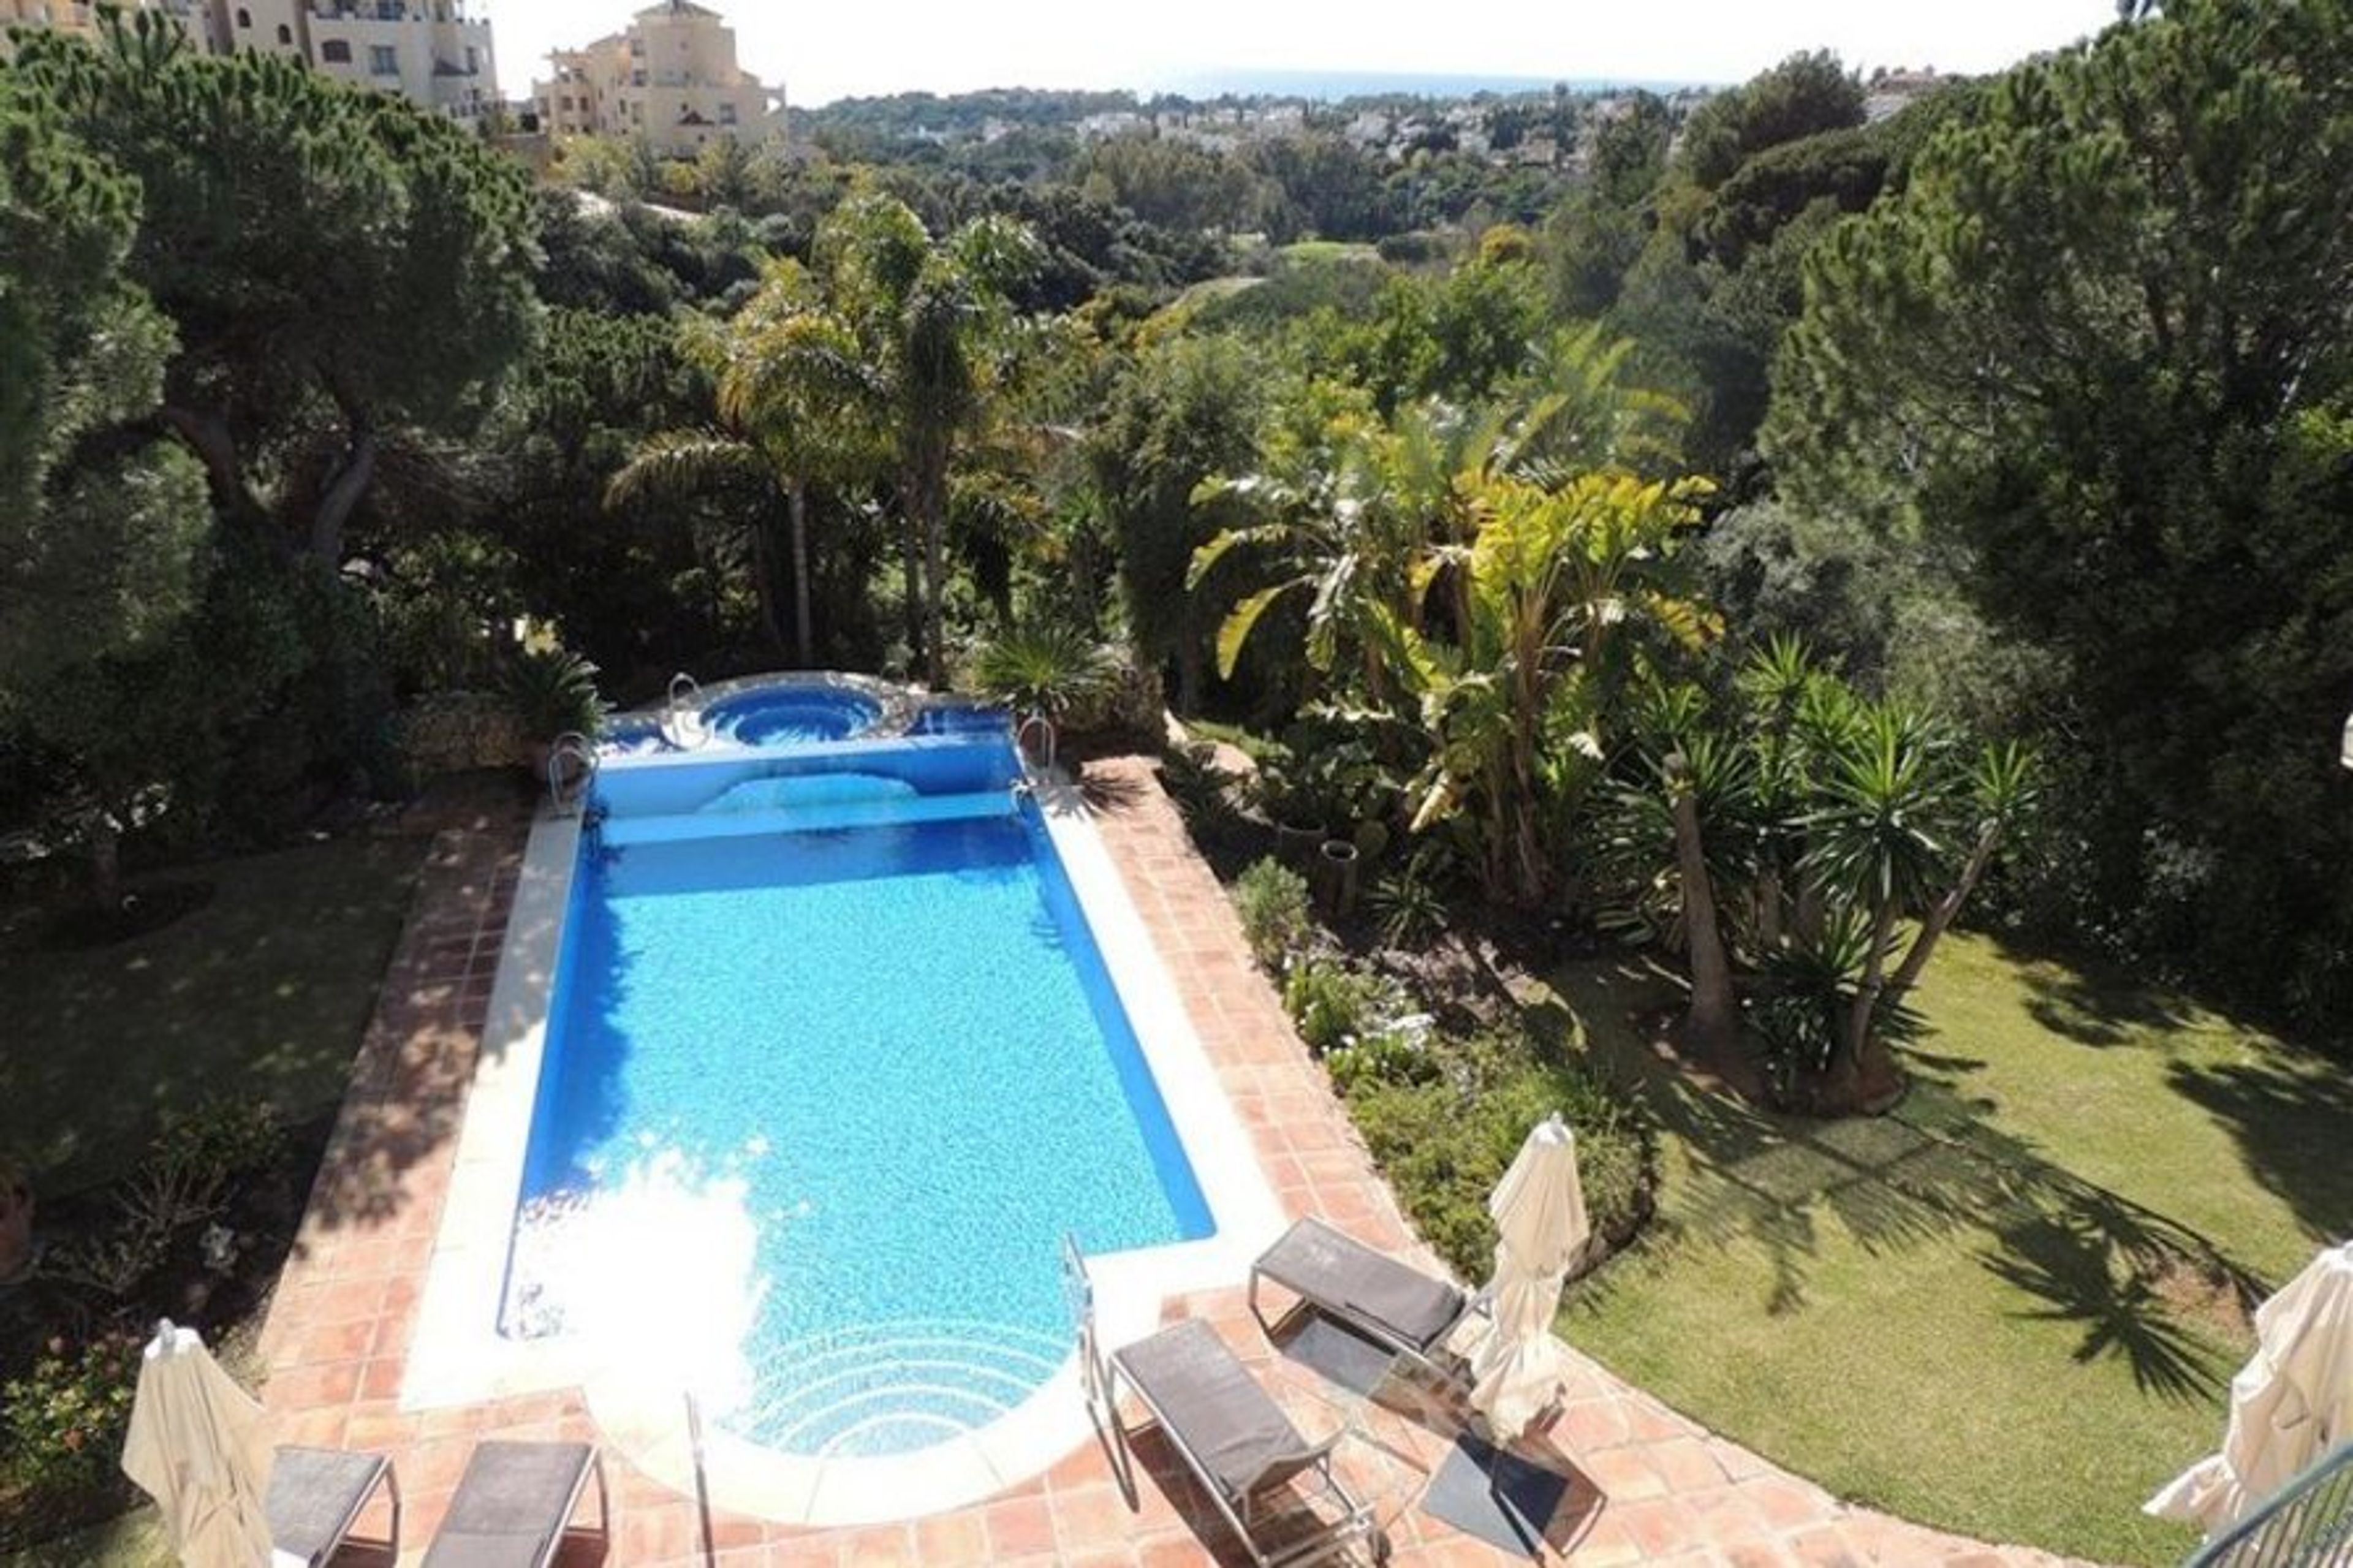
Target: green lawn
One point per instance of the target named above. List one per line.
(263, 992)
(1951, 1312)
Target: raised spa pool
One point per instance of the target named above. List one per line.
(791, 715)
(833, 1063)
(769, 712)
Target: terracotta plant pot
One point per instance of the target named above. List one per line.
(1296, 839)
(1336, 875)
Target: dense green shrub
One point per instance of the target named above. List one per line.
(64, 1419)
(1798, 1010)
(1444, 1141)
(1335, 1003)
(1271, 899)
(1397, 1053)
(219, 1140)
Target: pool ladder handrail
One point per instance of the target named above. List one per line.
(569, 786)
(1036, 719)
(683, 724)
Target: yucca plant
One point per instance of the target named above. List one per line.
(1804, 1002)
(554, 692)
(1050, 670)
(1407, 902)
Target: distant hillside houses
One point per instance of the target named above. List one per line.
(1892, 91)
(1547, 130)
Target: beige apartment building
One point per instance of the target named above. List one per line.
(671, 76)
(194, 17)
(435, 53)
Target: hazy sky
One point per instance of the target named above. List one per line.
(824, 49)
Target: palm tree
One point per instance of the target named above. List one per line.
(1328, 537)
(934, 321)
(792, 370)
(788, 384)
(1878, 837)
(1581, 410)
(1363, 525)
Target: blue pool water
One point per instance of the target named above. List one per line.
(819, 1106)
(791, 715)
(960, 719)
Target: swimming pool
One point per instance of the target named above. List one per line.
(809, 1163)
(833, 1064)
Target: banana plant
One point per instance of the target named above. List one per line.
(1559, 586)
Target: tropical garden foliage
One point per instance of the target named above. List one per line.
(1769, 539)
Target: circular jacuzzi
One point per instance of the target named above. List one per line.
(792, 715)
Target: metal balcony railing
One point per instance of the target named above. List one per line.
(2309, 1524)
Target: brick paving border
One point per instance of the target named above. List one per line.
(1649, 1485)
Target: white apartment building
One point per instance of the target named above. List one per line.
(435, 53)
(671, 76)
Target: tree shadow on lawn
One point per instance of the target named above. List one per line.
(2291, 1115)
(2091, 1000)
(262, 993)
(2069, 1262)
(2095, 1013)
(1935, 1174)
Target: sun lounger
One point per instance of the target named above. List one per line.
(514, 1503)
(1238, 1441)
(1399, 1308)
(1231, 1435)
(315, 1497)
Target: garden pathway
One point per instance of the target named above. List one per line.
(1649, 1485)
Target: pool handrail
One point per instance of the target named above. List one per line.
(682, 724)
(568, 785)
(1039, 719)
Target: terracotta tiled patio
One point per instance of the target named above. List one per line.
(1648, 1485)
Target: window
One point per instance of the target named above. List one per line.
(726, 114)
(637, 79)
(473, 60)
(244, 18)
(335, 51)
(285, 35)
(384, 60)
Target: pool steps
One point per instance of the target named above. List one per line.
(823, 817)
(872, 1390)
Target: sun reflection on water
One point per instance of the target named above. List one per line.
(655, 1271)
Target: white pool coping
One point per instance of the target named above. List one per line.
(457, 1355)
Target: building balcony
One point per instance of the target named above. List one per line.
(391, 10)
